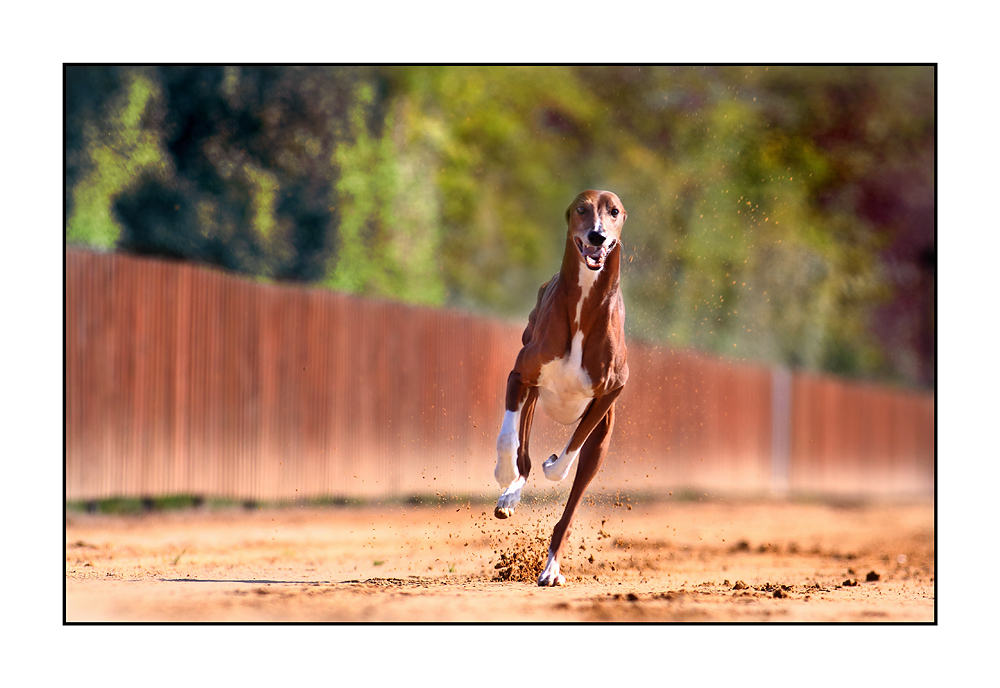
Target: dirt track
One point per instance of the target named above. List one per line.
(664, 561)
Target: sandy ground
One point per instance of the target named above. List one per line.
(663, 561)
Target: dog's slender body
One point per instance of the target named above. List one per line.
(572, 363)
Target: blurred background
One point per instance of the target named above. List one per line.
(310, 282)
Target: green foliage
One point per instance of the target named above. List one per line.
(118, 149)
(767, 206)
(504, 178)
(135, 505)
(388, 234)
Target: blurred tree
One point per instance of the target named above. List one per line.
(507, 150)
(87, 91)
(251, 152)
(389, 234)
(230, 166)
(109, 146)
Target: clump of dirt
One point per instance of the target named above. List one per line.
(524, 560)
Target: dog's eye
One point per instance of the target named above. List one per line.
(581, 210)
(614, 212)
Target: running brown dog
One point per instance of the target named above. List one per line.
(572, 362)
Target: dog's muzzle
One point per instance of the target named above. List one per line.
(596, 251)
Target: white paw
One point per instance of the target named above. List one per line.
(550, 576)
(557, 468)
(510, 498)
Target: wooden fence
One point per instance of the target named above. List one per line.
(187, 380)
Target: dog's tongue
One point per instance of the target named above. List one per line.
(594, 256)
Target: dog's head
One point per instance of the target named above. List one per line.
(595, 220)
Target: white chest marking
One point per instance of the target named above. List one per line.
(564, 387)
(586, 278)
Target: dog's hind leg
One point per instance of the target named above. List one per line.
(591, 457)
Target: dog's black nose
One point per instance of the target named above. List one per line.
(596, 238)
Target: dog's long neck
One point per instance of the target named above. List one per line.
(575, 272)
(588, 291)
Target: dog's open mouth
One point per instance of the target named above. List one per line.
(594, 256)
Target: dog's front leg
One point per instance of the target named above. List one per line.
(513, 463)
